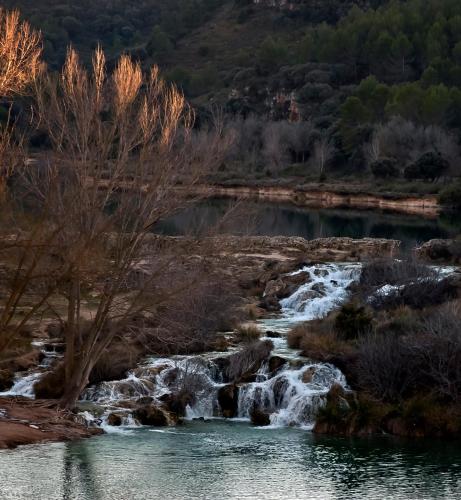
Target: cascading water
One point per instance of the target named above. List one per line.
(291, 395)
(24, 381)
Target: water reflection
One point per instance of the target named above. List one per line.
(227, 460)
(79, 473)
(288, 220)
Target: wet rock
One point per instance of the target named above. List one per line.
(260, 418)
(308, 375)
(279, 388)
(57, 347)
(320, 288)
(221, 369)
(321, 272)
(149, 371)
(274, 287)
(270, 303)
(285, 286)
(309, 295)
(272, 335)
(145, 400)
(228, 400)
(276, 363)
(151, 415)
(178, 402)
(248, 378)
(114, 419)
(171, 376)
(6, 380)
(91, 407)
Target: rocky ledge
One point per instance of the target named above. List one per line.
(23, 421)
(320, 196)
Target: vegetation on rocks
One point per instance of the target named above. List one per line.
(404, 366)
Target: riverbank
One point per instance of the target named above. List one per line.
(25, 421)
(328, 196)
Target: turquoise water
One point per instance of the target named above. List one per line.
(223, 460)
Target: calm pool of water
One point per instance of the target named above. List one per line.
(278, 219)
(223, 460)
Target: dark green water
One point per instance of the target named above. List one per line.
(279, 219)
(222, 460)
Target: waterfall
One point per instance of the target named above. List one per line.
(291, 395)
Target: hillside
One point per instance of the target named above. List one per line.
(310, 87)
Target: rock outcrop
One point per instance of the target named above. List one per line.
(438, 250)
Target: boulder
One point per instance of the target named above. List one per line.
(270, 303)
(114, 419)
(280, 386)
(275, 363)
(177, 402)
(260, 418)
(274, 288)
(228, 400)
(151, 415)
(272, 335)
(441, 251)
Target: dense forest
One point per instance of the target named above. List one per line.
(311, 89)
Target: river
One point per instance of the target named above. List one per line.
(214, 458)
(231, 461)
(283, 219)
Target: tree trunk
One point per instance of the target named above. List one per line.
(71, 327)
(79, 380)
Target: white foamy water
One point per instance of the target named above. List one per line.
(291, 396)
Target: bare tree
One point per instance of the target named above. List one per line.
(20, 52)
(120, 145)
(324, 151)
(373, 148)
(20, 64)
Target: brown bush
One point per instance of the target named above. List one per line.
(116, 361)
(385, 366)
(247, 333)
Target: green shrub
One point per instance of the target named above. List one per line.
(451, 196)
(430, 166)
(385, 169)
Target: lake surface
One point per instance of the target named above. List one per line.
(281, 219)
(212, 460)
